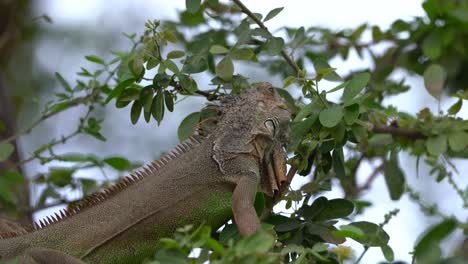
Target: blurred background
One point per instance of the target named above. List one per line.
(95, 27)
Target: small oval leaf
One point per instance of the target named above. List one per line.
(330, 117)
(355, 86)
(225, 69)
(135, 112)
(188, 126)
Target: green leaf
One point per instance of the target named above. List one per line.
(306, 110)
(355, 86)
(63, 82)
(310, 212)
(118, 163)
(129, 95)
(118, 89)
(455, 108)
(375, 235)
(60, 177)
(288, 99)
(432, 46)
(288, 81)
(433, 237)
(188, 126)
(324, 69)
(376, 34)
(135, 112)
(152, 63)
(351, 114)
(434, 79)
(259, 242)
(169, 35)
(299, 38)
(188, 84)
(192, 5)
(394, 177)
(242, 54)
(274, 46)
(230, 232)
(194, 64)
(330, 117)
(175, 54)
(338, 163)
(169, 100)
(323, 231)
(146, 98)
(458, 140)
(6, 149)
(436, 145)
(214, 245)
(299, 130)
(289, 225)
(95, 59)
(387, 252)
(350, 231)
(259, 203)
(218, 49)
(273, 13)
(157, 108)
(161, 80)
(335, 208)
(169, 64)
(338, 87)
(49, 192)
(225, 69)
(12, 178)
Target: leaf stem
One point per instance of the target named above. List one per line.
(249, 13)
(362, 254)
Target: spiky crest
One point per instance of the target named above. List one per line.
(100, 196)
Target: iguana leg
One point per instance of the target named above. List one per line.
(243, 205)
(46, 255)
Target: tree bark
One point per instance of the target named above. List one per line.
(11, 25)
(21, 192)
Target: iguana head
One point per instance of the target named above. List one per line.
(255, 123)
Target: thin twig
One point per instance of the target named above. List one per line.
(71, 103)
(249, 13)
(371, 179)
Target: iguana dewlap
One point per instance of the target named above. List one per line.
(203, 180)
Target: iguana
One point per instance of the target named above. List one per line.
(205, 179)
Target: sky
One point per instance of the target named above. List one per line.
(129, 16)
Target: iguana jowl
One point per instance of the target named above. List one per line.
(204, 180)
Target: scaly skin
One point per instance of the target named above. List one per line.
(208, 183)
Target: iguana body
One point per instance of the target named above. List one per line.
(204, 180)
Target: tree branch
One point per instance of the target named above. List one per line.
(249, 13)
(398, 131)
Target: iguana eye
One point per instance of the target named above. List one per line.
(271, 126)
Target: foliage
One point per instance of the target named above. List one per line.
(154, 74)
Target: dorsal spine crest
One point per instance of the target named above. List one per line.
(100, 196)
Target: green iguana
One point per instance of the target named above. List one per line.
(205, 179)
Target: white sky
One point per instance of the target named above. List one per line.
(336, 14)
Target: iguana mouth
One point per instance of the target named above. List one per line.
(274, 172)
(279, 158)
